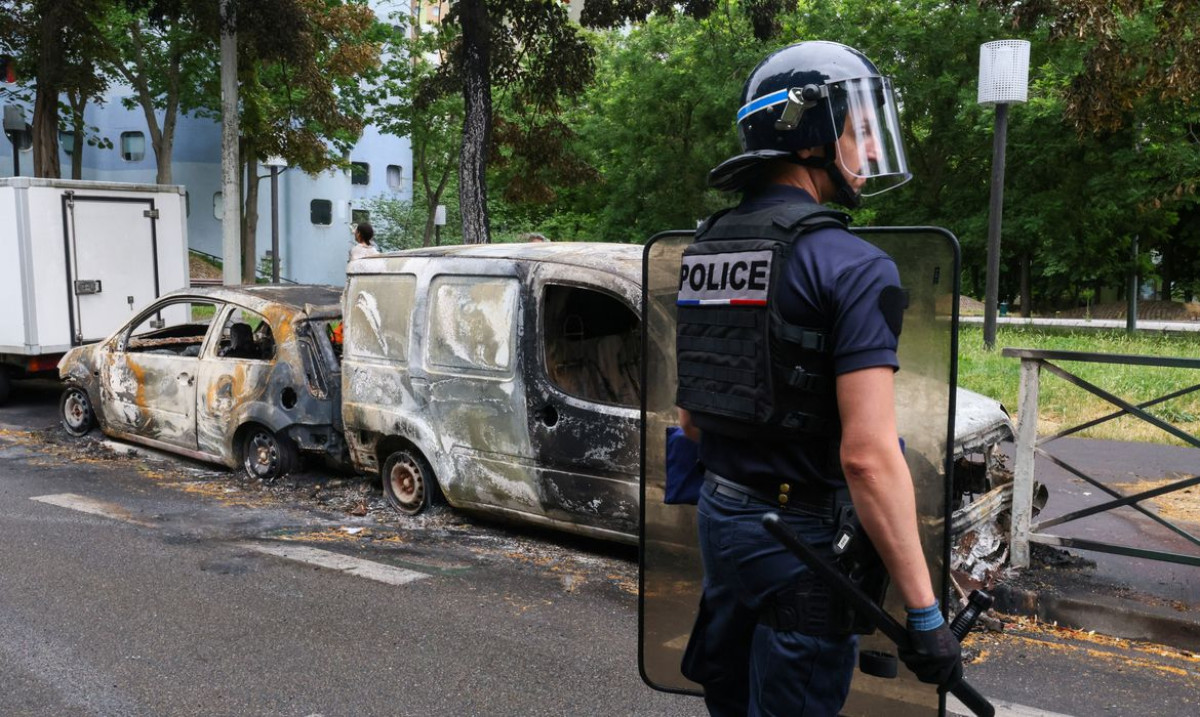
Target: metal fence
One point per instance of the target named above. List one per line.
(1029, 445)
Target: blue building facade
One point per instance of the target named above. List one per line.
(316, 213)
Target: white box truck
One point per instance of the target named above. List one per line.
(77, 259)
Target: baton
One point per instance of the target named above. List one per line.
(864, 605)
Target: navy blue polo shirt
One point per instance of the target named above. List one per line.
(833, 278)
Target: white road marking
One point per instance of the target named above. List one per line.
(336, 561)
(1003, 709)
(91, 506)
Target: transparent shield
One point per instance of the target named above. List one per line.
(670, 565)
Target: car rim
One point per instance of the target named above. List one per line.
(408, 484)
(262, 456)
(76, 409)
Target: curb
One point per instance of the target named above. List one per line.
(1112, 616)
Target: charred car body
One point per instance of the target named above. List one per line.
(505, 379)
(502, 377)
(235, 375)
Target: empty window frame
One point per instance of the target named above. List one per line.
(133, 146)
(246, 335)
(395, 177)
(176, 329)
(66, 140)
(360, 173)
(320, 212)
(218, 206)
(360, 216)
(593, 345)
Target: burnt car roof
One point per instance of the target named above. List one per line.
(313, 299)
(621, 259)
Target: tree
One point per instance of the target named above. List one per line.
(529, 46)
(407, 100)
(57, 44)
(163, 50)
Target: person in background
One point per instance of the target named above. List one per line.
(364, 236)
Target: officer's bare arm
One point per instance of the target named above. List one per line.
(880, 484)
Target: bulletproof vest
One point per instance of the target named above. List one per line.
(744, 371)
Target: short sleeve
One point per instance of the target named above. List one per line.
(863, 337)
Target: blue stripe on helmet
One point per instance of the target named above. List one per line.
(761, 103)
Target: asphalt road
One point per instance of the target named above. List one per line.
(142, 586)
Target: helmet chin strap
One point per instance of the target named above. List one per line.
(844, 194)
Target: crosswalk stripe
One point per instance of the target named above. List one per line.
(91, 506)
(336, 561)
(1003, 709)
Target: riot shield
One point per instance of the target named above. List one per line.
(669, 590)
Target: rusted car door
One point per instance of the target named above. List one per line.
(582, 349)
(148, 374)
(234, 372)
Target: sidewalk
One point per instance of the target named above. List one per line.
(1113, 594)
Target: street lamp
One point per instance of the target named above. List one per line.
(439, 221)
(276, 163)
(14, 125)
(1003, 79)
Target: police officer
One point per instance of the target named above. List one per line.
(786, 346)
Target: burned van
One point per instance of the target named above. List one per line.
(502, 378)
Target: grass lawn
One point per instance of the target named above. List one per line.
(1061, 404)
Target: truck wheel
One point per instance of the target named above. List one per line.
(408, 482)
(76, 408)
(266, 455)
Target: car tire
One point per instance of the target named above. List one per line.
(266, 455)
(78, 417)
(408, 482)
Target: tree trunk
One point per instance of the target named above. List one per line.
(45, 104)
(477, 124)
(250, 221)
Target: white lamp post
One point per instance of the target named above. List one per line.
(276, 163)
(1003, 79)
(439, 221)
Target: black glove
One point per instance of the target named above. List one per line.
(934, 656)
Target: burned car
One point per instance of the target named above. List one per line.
(242, 375)
(505, 379)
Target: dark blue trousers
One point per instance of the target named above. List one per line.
(749, 669)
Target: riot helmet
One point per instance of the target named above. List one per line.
(809, 96)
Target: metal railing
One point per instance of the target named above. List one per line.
(1028, 446)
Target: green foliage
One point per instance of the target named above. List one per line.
(658, 117)
(1060, 404)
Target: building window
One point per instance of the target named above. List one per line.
(360, 173)
(360, 216)
(66, 140)
(320, 211)
(187, 203)
(395, 177)
(133, 146)
(218, 206)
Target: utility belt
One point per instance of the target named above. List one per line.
(809, 606)
(785, 496)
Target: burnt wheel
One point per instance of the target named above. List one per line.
(408, 482)
(266, 455)
(76, 408)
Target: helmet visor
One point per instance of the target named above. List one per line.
(870, 147)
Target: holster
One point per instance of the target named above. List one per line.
(808, 605)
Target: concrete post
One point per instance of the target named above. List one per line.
(1022, 497)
